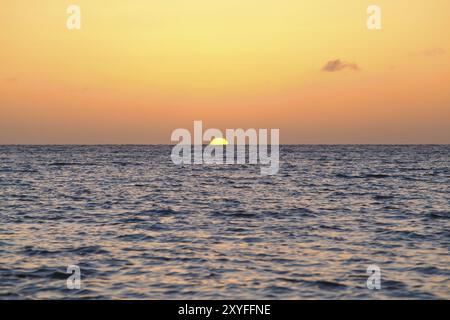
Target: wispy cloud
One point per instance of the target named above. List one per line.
(339, 65)
(433, 52)
(10, 79)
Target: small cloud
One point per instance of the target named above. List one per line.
(10, 79)
(433, 52)
(339, 65)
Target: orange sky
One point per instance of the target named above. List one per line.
(139, 69)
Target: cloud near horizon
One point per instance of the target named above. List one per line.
(339, 65)
(12, 79)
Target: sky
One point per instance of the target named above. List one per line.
(139, 69)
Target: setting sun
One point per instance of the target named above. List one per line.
(218, 142)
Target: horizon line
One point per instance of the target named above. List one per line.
(173, 144)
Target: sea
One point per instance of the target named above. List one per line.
(124, 222)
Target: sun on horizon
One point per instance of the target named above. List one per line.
(218, 142)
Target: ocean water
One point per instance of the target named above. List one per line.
(140, 227)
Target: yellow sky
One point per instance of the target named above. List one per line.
(139, 69)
